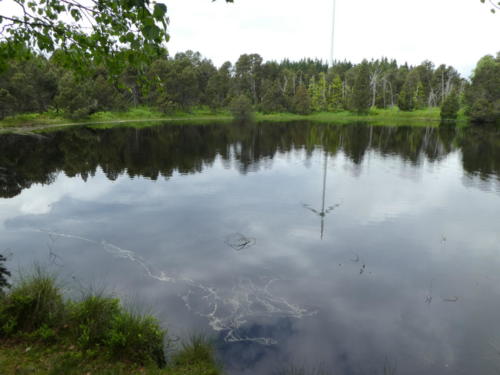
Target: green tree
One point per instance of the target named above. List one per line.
(301, 102)
(75, 97)
(241, 108)
(482, 96)
(317, 92)
(361, 89)
(248, 72)
(408, 96)
(420, 96)
(335, 96)
(219, 86)
(103, 31)
(273, 99)
(99, 30)
(7, 103)
(450, 107)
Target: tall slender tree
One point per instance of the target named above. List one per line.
(361, 90)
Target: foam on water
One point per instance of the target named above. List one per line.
(226, 309)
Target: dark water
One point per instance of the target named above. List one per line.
(362, 250)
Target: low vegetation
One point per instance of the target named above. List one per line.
(145, 116)
(40, 329)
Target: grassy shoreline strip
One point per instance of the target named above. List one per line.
(149, 117)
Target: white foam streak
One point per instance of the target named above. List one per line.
(227, 310)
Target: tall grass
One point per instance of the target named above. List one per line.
(196, 355)
(34, 302)
(35, 308)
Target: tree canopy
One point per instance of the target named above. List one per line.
(98, 29)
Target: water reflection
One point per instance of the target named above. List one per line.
(216, 228)
(161, 151)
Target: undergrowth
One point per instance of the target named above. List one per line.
(94, 331)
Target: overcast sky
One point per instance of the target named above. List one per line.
(454, 32)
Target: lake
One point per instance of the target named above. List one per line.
(357, 249)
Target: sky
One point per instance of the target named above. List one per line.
(453, 32)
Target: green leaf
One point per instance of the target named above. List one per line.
(159, 11)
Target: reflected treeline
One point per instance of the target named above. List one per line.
(160, 151)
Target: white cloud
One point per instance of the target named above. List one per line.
(454, 32)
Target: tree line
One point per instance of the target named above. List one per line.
(32, 82)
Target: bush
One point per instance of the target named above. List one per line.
(35, 302)
(137, 338)
(91, 319)
(101, 322)
(241, 108)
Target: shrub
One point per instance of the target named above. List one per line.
(241, 108)
(34, 302)
(137, 338)
(91, 319)
(101, 322)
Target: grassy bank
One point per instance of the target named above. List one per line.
(134, 115)
(142, 116)
(41, 332)
(381, 117)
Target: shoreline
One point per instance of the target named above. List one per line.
(146, 117)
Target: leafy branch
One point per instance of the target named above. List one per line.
(495, 5)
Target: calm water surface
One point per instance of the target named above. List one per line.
(358, 249)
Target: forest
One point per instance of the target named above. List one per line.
(39, 83)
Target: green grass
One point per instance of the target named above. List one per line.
(382, 117)
(21, 357)
(144, 116)
(39, 329)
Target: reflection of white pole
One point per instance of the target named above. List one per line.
(323, 213)
(332, 50)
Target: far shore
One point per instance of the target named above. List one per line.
(145, 117)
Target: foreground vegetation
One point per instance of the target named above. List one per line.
(42, 332)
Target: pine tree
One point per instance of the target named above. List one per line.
(421, 98)
(450, 108)
(313, 91)
(301, 102)
(361, 89)
(406, 98)
(335, 97)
